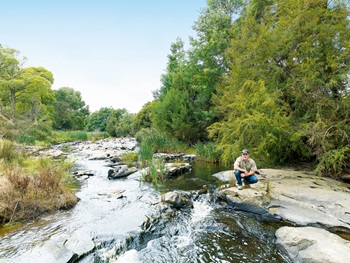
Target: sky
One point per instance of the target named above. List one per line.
(112, 51)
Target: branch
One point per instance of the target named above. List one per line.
(3, 115)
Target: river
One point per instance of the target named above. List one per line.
(109, 223)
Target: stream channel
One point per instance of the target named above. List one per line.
(114, 222)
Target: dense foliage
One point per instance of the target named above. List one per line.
(70, 110)
(271, 76)
(286, 93)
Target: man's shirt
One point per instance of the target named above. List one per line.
(249, 165)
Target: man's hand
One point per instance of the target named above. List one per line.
(244, 174)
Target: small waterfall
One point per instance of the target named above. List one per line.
(177, 242)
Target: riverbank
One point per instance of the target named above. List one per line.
(30, 187)
(318, 207)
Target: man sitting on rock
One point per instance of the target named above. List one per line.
(245, 167)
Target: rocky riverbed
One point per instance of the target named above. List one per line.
(316, 210)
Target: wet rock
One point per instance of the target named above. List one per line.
(177, 200)
(121, 171)
(114, 159)
(176, 169)
(250, 200)
(203, 190)
(84, 172)
(309, 244)
(175, 156)
(63, 248)
(117, 194)
(189, 157)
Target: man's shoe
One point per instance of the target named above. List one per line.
(239, 187)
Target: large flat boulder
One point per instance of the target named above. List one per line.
(310, 244)
(306, 201)
(296, 196)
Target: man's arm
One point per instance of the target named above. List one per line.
(236, 166)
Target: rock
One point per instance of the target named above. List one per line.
(251, 200)
(303, 199)
(62, 248)
(177, 199)
(345, 178)
(117, 194)
(121, 171)
(295, 196)
(203, 190)
(306, 199)
(114, 159)
(189, 157)
(176, 169)
(226, 176)
(80, 245)
(84, 172)
(175, 156)
(309, 244)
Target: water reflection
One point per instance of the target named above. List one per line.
(200, 175)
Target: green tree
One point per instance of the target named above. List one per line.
(196, 73)
(125, 126)
(143, 118)
(70, 110)
(37, 96)
(11, 86)
(98, 119)
(174, 115)
(113, 121)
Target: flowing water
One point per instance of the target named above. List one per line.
(114, 221)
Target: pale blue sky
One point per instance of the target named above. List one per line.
(112, 51)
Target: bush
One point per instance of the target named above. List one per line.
(333, 162)
(9, 152)
(38, 186)
(207, 152)
(69, 136)
(30, 133)
(129, 158)
(160, 142)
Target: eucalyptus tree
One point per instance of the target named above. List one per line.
(10, 83)
(24, 91)
(35, 100)
(71, 112)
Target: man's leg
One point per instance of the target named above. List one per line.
(238, 178)
(252, 179)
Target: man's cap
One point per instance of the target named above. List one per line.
(245, 151)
